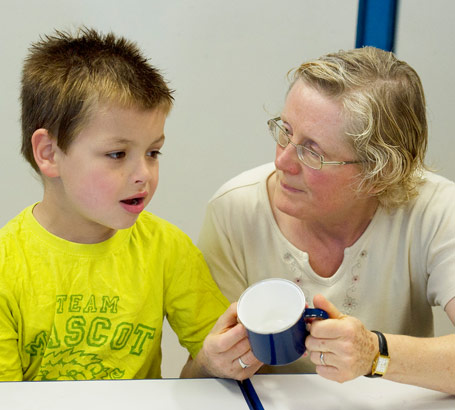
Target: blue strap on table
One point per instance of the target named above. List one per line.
(250, 395)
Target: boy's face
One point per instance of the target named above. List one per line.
(109, 173)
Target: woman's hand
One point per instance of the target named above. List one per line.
(222, 348)
(348, 348)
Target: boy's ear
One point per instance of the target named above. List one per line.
(44, 150)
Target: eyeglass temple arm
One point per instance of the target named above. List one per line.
(340, 162)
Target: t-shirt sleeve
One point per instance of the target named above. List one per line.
(10, 363)
(193, 302)
(438, 227)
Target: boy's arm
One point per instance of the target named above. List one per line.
(222, 348)
(10, 363)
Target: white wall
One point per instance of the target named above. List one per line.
(227, 61)
(425, 39)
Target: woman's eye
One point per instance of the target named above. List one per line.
(116, 155)
(313, 148)
(314, 154)
(154, 154)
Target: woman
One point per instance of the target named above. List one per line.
(348, 211)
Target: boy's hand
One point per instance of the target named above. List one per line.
(222, 348)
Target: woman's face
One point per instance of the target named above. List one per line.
(325, 195)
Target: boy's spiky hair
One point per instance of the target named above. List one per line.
(65, 77)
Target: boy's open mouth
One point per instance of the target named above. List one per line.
(133, 201)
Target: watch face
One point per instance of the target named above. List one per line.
(381, 366)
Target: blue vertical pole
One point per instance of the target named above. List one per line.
(376, 23)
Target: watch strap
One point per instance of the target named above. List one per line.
(383, 349)
(382, 358)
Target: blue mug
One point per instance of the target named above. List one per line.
(274, 315)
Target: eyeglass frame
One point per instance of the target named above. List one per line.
(300, 147)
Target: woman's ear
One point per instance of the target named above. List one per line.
(44, 151)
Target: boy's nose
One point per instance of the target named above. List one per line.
(142, 172)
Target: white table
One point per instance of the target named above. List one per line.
(164, 394)
(308, 391)
(275, 392)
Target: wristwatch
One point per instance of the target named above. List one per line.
(381, 361)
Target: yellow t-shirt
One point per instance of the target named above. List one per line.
(73, 311)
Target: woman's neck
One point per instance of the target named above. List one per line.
(325, 239)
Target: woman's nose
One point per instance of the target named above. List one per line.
(286, 159)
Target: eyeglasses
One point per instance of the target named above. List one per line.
(308, 157)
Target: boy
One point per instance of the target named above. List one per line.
(86, 275)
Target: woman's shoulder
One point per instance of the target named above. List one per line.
(436, 186)
(245, 181)
(435, 198)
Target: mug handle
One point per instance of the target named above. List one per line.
(312, 314)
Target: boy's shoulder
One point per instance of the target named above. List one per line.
(15, 225)
(147, 227)
(151, 226)
(150, 220)
(13, 234)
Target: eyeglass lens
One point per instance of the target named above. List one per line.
(308, 157)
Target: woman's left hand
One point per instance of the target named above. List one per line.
(348, 348)
(226, 351)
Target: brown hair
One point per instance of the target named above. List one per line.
(385, 113)
(66, 77)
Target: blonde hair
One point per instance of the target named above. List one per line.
(66, 77)
(385, 117)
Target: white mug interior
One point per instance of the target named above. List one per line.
(271, 306)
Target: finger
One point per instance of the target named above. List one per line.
(325, 367)
(227, 320)
(253, 365)
(329, 329)
(315, 357)
(332, 328)
(250, 359)
(330, 373)
(238, 349)
(338, 373)
(243, 374)
(328, 358)
(226, 340)
(321, 302)
(343, 328)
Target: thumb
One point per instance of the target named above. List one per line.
(321, 302)
(227, 320)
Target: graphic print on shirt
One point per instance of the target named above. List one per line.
(350, 301)
(87, 325)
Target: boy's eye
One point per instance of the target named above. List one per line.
(154, 154)
(116, 155)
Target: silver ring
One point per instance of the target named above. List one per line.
(243, 365)
(321, 358)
